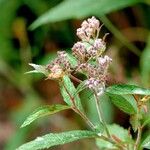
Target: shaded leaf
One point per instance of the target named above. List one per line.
(54, 139)
(44, 111)
(145, 59)
(125, 103)
(116, 131)
(121, 89)
(71, 90)
(75, 10)
(146, 142)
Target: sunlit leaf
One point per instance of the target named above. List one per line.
(44, 111)
(68, 91)
(38, 69)
(125, 103)
(75, 10)
(72, 59)
(54, 139)
(121, 89)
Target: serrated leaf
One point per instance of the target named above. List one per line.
(115, 131)
(38, 69)
(126, 103)
(75, 10)
(122, 89)
(146, 142)
(54, 139)
(44, 111)
(72, 90)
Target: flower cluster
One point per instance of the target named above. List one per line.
(88, 53)
(59, 66)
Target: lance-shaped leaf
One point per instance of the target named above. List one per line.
(38, 69)
(126, 103)
(75, 10)
(44, 111)
(146, 142)
(68, 92)
(51, 139)
(121, 89)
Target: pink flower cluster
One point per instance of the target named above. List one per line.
(88, 53)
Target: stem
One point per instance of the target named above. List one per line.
(136, 146)
(119, 145)
(84, 117)
(75, 79)
(99, 111)
(78, 111)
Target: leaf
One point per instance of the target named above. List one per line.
(44, 111)
(72, 59)
(135, 121)
(115, 131)
(147, 121)
(54, 139)
(145, 59)
(121, 89)
(38, 69)
(146, 142)
(81, 87)
(71, 90)
(75, 10)
(125, 103)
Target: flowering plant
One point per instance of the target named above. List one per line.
(88, 59)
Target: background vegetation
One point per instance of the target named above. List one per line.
(33, 30)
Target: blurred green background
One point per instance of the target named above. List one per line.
(33, 30)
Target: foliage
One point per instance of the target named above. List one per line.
(94, 66)
(20, 46)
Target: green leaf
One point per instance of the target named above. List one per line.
(117, 131)
(54, 139)
(135, 121)
(81, 87)
(147, 121)
(75, 10)
(44, 111)
(126, 103)
(71, 91)
(121, 89)
(38, 69)
(145, 59)
(146, 142)
(72, 59)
